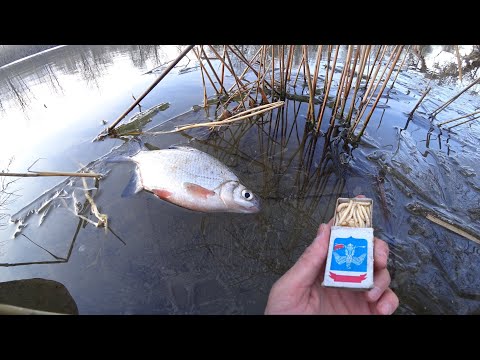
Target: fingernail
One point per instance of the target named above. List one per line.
(386, 309)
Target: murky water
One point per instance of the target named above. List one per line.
(162, 259)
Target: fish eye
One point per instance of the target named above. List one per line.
(247, 194)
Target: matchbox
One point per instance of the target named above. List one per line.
(350, 252)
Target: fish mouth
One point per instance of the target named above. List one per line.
(254, 208)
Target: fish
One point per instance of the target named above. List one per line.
(192, 179)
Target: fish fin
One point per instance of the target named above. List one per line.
(197, 190)
(133, 186)
(162, 194)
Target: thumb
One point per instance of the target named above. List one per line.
(307, 268)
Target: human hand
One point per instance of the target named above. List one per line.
(299, 290)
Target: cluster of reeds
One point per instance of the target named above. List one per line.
(271, 74)
(343, 83)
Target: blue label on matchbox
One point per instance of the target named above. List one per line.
(349, 254)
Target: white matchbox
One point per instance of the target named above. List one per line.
(350, 251)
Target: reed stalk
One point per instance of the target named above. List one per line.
(311, 111)
(327, 68)
(377, 69)
(380, 48)
(244, 72)
(298, 71)
(273, 67)
(343, 77)
(317, 67)
(229, 67)
(350, 80)
(213, 70)
(399, 51)
(202, 67)
(364, 103)
(239, 83)
(205, 98)
(289, 64)
(448, 102)
(458, 118)
(330, 80)
(240, 116)
(410, 116)
(464, 122)
(281, 53)
(223, 63)
(407, 52)
(363, 62)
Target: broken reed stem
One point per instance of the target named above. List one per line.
(381, 91)
(453, 228)
(442, 107)
(205, 70)
(459, 62)
(349, 85)
(362, 65)
(311, 111)
(419, 102)
(240, 116)
(458, 118)
(213, 70)
(407, 52)
(463, 122)
(150, 88)
(51, 173)
(325, 98)
(364, 103)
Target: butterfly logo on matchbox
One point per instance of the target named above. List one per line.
(349, 254)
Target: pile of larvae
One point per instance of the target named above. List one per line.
(353, 214)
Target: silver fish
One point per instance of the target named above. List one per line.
(192, 179)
